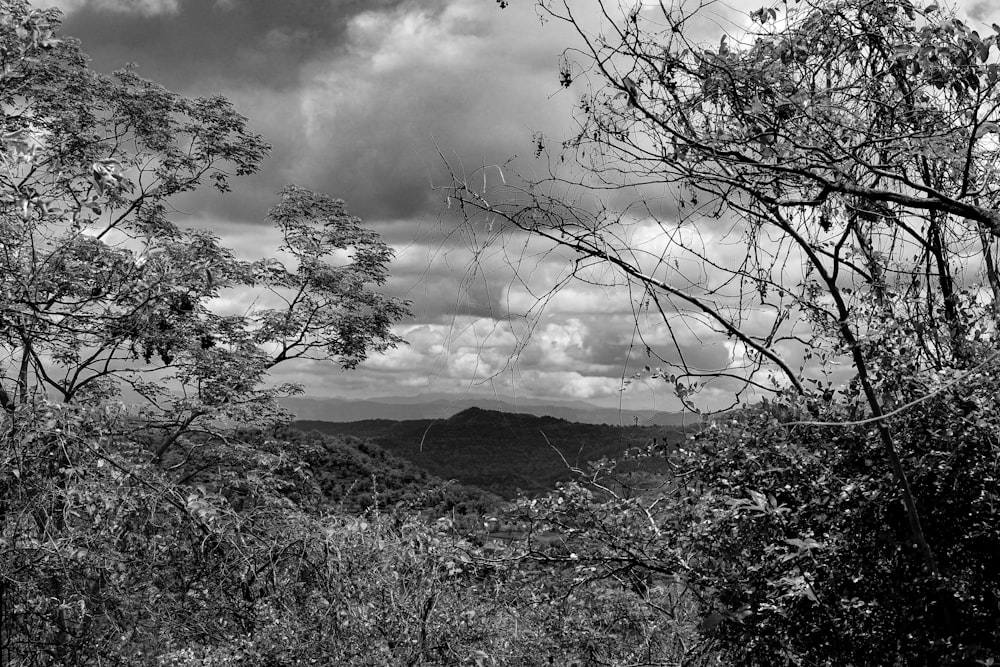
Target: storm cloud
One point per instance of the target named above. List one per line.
(377, 102)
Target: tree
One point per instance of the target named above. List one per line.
(101, 290)
(114, 361)
(788, 544)
(818, 188)
(839, 136)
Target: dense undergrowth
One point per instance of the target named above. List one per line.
(757, 543)
(111, 560)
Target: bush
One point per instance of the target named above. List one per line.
(802, 541)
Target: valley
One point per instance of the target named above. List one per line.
(502, 453)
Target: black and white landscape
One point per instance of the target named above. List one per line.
(541, 333)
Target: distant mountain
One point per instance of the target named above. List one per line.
(442, 407)
(500, 452)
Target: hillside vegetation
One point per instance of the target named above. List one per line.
(353, 475)
(503, 453)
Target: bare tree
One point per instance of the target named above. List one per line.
(829, 169)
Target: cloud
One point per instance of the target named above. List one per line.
(982, 11)
(145, 8)
(187, 43)
(358, 97)
(413, 83)
(472, 353)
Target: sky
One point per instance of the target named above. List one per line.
(373, 101)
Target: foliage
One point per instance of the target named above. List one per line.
(802, 539)
(816, 188)
(359, 476)
(369, 590)
(109, 559)
(101, 292)
(602, 543)
(789, 544)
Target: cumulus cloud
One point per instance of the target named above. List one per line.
(141, 7)
(359, 97)
(982, 11)
(188, 43)
(414, 83)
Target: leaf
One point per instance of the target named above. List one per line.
(986, 128)
(711, 622)
(902, 50)
(803, 545)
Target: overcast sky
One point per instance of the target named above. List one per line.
(357, 98)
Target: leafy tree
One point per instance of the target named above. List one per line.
(817, 188)
(802, 539)
(101, 290)
(789, 544)
(107, 554)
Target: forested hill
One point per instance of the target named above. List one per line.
(355, 475)
(501, 452)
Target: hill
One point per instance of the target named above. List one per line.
(355, 475)
(443, 407)
(502, 453)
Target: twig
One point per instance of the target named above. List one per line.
(872, 420)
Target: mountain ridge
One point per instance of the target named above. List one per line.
(438, 407)
(502, 453)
